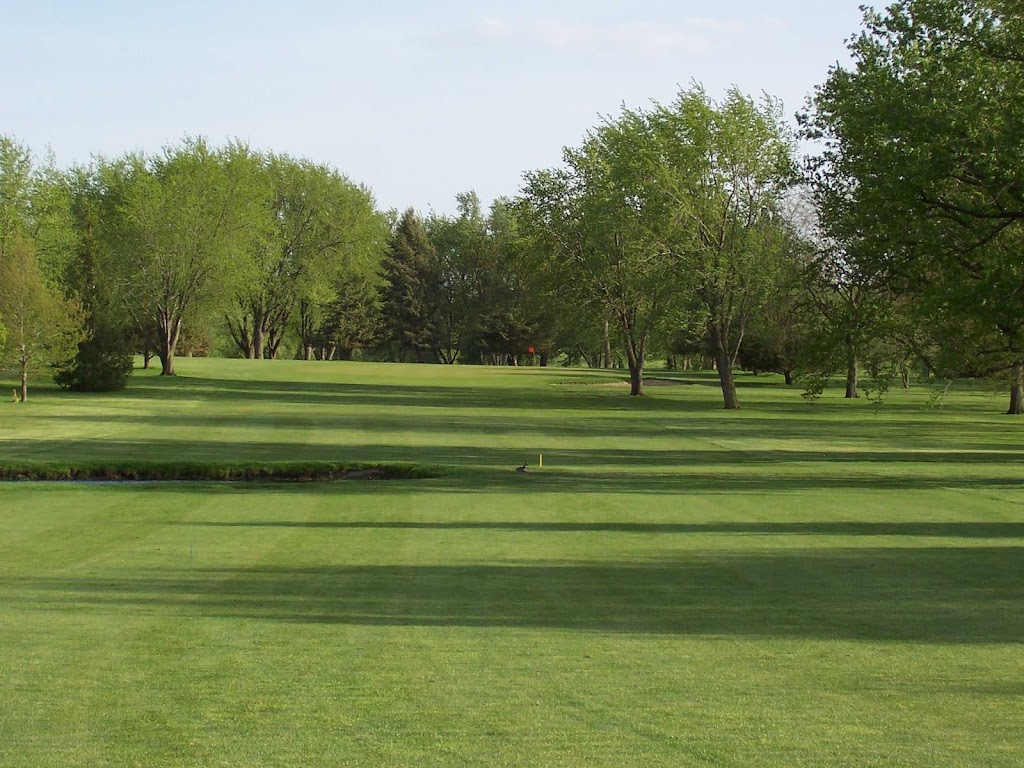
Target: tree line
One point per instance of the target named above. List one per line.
(692, 231)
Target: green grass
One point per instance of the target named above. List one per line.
(127, 470)
(795, 584)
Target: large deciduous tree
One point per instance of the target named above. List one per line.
(719, 172)
(187, 218)
(923, 137)
(672, 217)
(594, 215)
(323, 230)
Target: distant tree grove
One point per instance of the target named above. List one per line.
(691, 232)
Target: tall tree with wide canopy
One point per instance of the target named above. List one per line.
(719, 172)
(672, 217)
(594, 215)
(923, 137)
(322, 230)
(186, 220)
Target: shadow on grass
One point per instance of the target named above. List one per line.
(539, 425)
(932, 595)
(553, 394)
(958, 530)
(453, 394)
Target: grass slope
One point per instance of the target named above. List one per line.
(796, 584)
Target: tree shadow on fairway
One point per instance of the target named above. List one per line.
(852, 442)
(931, 595)
(345, 394)
(952, 530)
(560, 392)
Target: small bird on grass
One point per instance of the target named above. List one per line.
(521, 468)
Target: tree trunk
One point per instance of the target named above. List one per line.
(307, 352)
(851, 379)
(723, 363)
(168, 331)
(238, 329)
(24, 383)
(544, 359)
(258, 342)
(274, 340)
(1017, 390)
(789, 377)
(607, 352)
(635, 357)
(636, 378)
(166, 363)
(727, 382)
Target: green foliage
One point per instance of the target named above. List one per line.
(719, 175)
(102, 363)
(183, 220)
(410, 297)
(322, 230)
(35, 207)
(15, 194)
(484, 308)
(352, 320)
(592, 220)
(778, 335)
(36, 244)
(43, 327)
(922, 147)
(670, 219)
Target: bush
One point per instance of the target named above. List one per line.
(103, 364)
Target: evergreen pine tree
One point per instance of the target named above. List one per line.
(410, 272)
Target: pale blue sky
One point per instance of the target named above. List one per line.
(416, 100)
